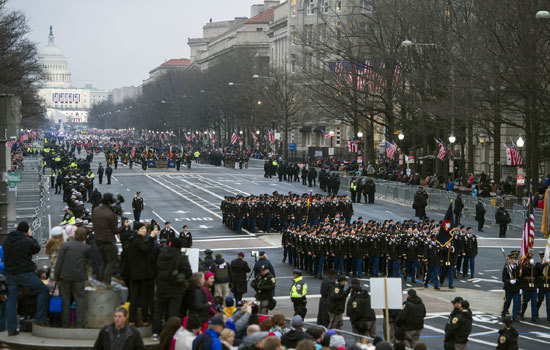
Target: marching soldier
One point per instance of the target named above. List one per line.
(433, 257)
(448, 264)
(470, 251)
(510, 277)
(529, 288)
(298, 292)
(543, 283)
(264, 285)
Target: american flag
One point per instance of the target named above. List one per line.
(254, 137)
(10, 143)
(391, 148)
(512, 155)
(234, 138)
(271, 136)
(528, 238)
(442, 150)
(328, 135)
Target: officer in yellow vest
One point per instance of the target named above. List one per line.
(68, 218)
(353, 190)
(52, 179)
(196, 155)
(57, 161)
(298, 293)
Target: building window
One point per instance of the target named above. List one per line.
(259, 29)
(310, 7)
(339, 5)
(292, 35)
(293, 7)
(324, 6)
(366, 6)
(292, 66)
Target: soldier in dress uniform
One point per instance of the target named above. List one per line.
(510, 278)
(543, 283)
(448, 259)
(529, 288)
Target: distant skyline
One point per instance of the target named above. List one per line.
(114, 43)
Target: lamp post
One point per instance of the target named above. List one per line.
(543, 15)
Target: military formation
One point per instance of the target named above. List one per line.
(276, 212)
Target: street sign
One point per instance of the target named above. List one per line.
(292, 146)
(331, 151)
(14, 177)
(520, 177)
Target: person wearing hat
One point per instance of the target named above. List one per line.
(328, 282)
(208, 262)
(529, 288)
(411, 318)
(68, 217)
(502, 217)
(298, 292)
(262, 261)
(543, 283)
(239, 269)
(510, 278)
(186, 236)
(221, 277)
(420, 201)
(264, 285)
(137, 206)
(211, 338)
(359, 310)
(296, 334)
(508, 335)
(458, 326)
(337, 303)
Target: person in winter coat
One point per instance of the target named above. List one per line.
(369, 190)
(108, 173)
(207, 290)
(360, 312)
(420, 201)
(458, 207)
(95, 198)
(119, 335)
(411, 318)
(140, 251)
(502, 217)
(337, 303)
(296, 334)
(262, 260)
(480, 215)
(197, 302)
(210, 340)
(239, 269)
(222, 277)
(70, 272)
(173, 273)
(326, 286)
(508, 336)
(458, 327)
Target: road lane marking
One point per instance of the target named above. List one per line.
(473, 339)
(158, 216)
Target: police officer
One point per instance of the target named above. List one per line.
(353, 190)
(298, 292)
(411, 318)
(458, 327)
(337, 303)
(510, 277)
(359, 310)
(508, 336)
(502, 217)
(328, 283)
(100, 172)
(264, 285)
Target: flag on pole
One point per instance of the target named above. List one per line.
(310, 198)
(390, 150)
(271, 137)
(170, 153)
(514, 155)
(442, 150)
(448, 225)
(528, 237)
(146, 151)
(254, 137)
(234, 138)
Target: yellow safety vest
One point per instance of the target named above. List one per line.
(57, 159)
(47, 150)
(299, 288)
(353, 186)
(197, 154)
(90, 175)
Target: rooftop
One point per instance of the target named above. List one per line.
(263, 18)
(177, 62)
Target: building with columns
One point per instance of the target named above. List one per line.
(62, 101)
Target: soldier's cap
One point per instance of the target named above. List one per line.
(207, 252)
(261, 253)
(465, 304)
(513, 256)
(298, 272)
(342, 278)
(264, 267)
(541, 254)
(355, 281)
(457, 300)
(515, 252)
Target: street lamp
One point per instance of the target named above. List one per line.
(231, 83)
(543, 15)
(241, 132)
(257, 132)
(400, 136)
(452, 139)
(259, 103)
(359, 134)
(520, 142)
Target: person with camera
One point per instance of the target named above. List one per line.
(264, 285)
(19, 247)
(105, 223)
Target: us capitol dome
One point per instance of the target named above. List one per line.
(55, 65)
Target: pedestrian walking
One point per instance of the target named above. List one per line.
(137, 206)
(100, 172)
(508, 335)
(411, 319)
(108, 173)
(480, 215)
(458, 207)
(529, 288)
(420, 201)
(239, 270)
(510, 278)
(502, 217)
(458, 327)
(298, 292)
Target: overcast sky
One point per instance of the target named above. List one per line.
(114, 43)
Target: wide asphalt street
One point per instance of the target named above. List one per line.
(192, 197)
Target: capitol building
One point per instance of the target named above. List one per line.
(64, 102)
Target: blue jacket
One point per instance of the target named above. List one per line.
(209, 340)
